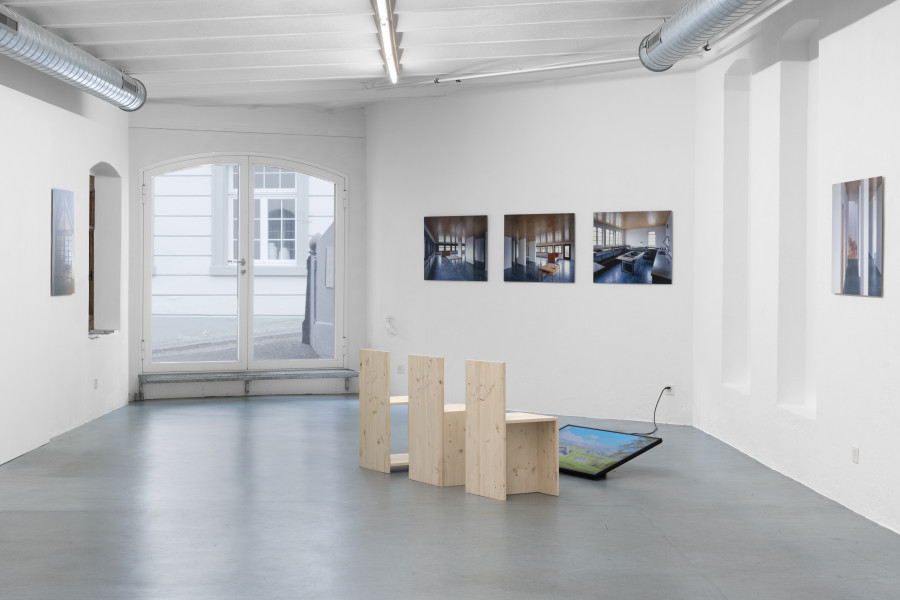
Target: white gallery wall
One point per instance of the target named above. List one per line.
(53, 136)
(784, 370)
(570, 147)
(332, 140)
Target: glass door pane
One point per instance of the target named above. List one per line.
(293, 291)
(194, 279)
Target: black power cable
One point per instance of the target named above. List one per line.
(655, 427)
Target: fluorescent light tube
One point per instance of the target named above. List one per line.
(388, 47)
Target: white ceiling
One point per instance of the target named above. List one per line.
(325, 53)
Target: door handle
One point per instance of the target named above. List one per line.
(242, 262)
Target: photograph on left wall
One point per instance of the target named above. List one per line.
(62, 233)
(456, 248)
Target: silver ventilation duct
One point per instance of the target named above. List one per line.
(689, 29)
(33, 45)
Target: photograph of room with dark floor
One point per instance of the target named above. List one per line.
(539, 248)
(633, 247)
(858, 234)
(456, 248)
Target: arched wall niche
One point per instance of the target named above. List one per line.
(735, 228)
(106, 261)
(797, 105)
(738, 74)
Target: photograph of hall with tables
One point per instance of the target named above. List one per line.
(539, 248)
(456, 248)
(633, 247)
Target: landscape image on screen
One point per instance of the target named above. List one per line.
(594, 451)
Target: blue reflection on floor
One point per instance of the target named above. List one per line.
(457, 270)
(852, 283)
(874, 279)
(529, 272)
(613, 273)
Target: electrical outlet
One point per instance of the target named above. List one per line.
(401, 369)
(670, 390)
(96, 383)
(854, 454)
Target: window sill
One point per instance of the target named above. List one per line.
(98, 333)
(280, 270)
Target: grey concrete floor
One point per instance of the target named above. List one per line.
(263, 498)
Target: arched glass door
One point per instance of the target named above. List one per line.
(243, 265)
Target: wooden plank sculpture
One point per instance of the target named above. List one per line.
(436, 430)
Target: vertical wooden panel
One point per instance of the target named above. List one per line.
(426, 414)
(532, 457)
(454, 463)
(521, 455)
(374, 410)
(548, 458)
(486, 429)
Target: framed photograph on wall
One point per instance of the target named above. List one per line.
(857, 251)
(539, 248)
(62, 240)
(633, 247)
(456, 248)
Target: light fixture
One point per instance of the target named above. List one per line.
(384, 17)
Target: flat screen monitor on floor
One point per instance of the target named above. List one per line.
(594, 452)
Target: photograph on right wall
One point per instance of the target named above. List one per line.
(633, 247)
(857, 255)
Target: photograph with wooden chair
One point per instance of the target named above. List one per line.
(539, 248)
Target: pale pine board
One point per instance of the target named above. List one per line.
(426, 419)
(374, 410)
(454, 459)
(532, 456)
(486, 429)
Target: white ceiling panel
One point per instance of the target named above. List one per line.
(326, 53)
(422, 5)
(256, 60)
(633, 28)
(214, 28)
(486, 50)
(531, 14)
(255, 74)
(242, 45)
(56, 13)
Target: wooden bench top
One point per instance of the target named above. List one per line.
(400, 460)
(522, 417)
